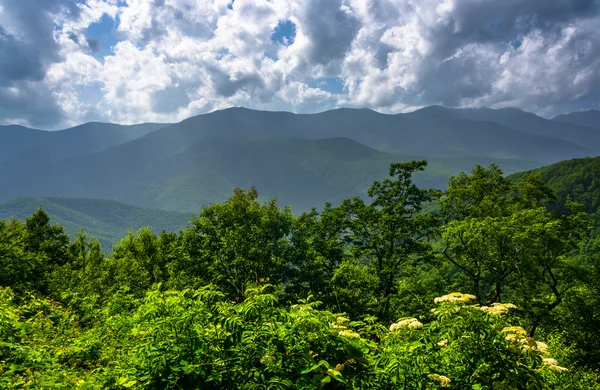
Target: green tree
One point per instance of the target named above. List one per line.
(237, 243)
(30, 252)
(505, 240)
(85, 274)
(317, 251)
(136, 263)
(51, 241)
(390, 234)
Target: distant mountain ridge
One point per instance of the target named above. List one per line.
(302, 159)
(589, 118)
(109, 221)
(23, 149)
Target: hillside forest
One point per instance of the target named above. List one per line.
(491, 283)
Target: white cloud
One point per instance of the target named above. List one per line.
(178, 58)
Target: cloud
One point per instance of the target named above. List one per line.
(28, 49)
(525, 53)
(170, 59)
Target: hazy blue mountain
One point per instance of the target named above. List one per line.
(590, 118)
(570, 132)
(23, 149)
(429, 132)
(87, 138)
(109, 221)
(298, 172)
(303, 160)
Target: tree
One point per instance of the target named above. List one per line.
(390, 234)
(30, 252)
(317, 251)
(135, 262)
(501, 235)
(239, 242)
(51, 241)
(84, 275)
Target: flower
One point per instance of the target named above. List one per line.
(336, 326)
(530, 344)
(553, 365)
(302, 307)
(339, 324)
(515, 330)
(443, 381)
(455, 298)
(442, 343)
(498, 308)
(406, 323)
(542, 347)
(515, 333)
(348, 333)
(506, 305)
(558, 368)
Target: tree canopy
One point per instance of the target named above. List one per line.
(486, 285)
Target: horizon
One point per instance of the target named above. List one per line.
(295, 113)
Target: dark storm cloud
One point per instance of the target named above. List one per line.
(489, 21)
(462, 62)
(225, 86)
(25, 58)
(93, 44)
(331, 31)
(176, 16)
(19, 61)
(28, 102)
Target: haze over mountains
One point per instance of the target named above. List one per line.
(303, 160)
(107, 220)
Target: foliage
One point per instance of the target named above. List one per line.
(196, 339)
(507, 243)
(252, 296)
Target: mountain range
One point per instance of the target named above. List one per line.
(303, 160)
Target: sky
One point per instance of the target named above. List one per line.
(65, 62)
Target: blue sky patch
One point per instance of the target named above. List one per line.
(284, 33)
(102, 36)
(333, 85)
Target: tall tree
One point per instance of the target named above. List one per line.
(390, 233)
(502, 236)
(239, 242)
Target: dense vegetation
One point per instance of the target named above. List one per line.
(413, 289)
(575, 180)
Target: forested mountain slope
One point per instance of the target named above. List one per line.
(106, 220)
(87, 138)
(577, 180)
(526, 122)
(429, 132)
(303, 160)
(23, 149)
(298, 172)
